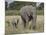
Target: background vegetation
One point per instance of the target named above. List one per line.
(14, 7)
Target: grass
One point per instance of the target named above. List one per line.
(16, 12)
(40, 12)
(12, 12)
(9, 28)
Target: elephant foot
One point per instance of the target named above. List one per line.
(34, 27)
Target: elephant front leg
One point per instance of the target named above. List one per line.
(34, 23)
(27, 24)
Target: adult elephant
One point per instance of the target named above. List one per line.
(28, 13)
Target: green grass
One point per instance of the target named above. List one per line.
(16, 12)
(11, 12)
(40, 12)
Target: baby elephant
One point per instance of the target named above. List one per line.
(15, 22)
(28, 13)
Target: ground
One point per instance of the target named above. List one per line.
(9, 28)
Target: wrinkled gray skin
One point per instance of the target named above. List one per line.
(28, 13)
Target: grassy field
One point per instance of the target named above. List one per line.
(10, 30)
(10, 15)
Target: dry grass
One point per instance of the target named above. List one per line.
(9, 28)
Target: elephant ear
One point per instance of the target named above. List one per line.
(23, 19)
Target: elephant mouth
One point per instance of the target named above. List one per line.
(30, 17)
